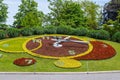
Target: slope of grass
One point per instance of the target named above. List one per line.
(47, 65)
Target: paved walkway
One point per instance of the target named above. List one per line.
(61, 76)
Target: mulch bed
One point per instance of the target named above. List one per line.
(24, 61)
(100, 51)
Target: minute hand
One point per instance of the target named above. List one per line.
(84, 42)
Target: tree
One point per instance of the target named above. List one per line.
(65, 12)
(91, 12)
(28, 15)
(3, 14)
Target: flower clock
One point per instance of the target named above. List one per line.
(68, 49)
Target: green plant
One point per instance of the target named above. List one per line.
(63, 29)
(2, 34)
(99, 34)
(27, 31)
(50, 29)
(92, 33)
(110, 28)
(38, 30)
(81, 31)
(13, 32)
(116, 37)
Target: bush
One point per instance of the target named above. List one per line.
(50, 29)
(27, 31)
(13, 32)
(99, 34)
(110, 29)
(81, 31)
(38, 30)
(116, 37)
(64, 30)
(2, 34)
(3, 26)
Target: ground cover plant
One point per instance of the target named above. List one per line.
(46, 65)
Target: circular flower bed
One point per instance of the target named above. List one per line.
(67, 63)
(100, 51)
(24, 61)
(42, 46)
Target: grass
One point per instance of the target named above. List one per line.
(47, 65)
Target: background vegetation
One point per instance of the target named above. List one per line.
(80, 18)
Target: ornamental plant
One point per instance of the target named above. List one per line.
(2, 34)
(13, 32)
(50, 29)
(116, 37)
(81, 31)
(99, 34)
(38, 30)
(27, 31)
(63, 29)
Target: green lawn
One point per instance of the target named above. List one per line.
(46, 65)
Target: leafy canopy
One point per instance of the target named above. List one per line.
(28, 15)
(3, 11)
(65, 12)
(92, 13)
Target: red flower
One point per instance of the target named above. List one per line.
(24, 61)
(100, 51)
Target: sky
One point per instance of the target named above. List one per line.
(42, 5)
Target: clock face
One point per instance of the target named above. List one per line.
(43, 46)
(63, 46)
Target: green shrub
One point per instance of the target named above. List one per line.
(13, 32)
(64, 30)
(38, 30)
(27, 31)
(92, 33)
(110, 29)
(2, 34)
(81, 31)
(99, 34)
(116, 37)
(3, 26)
(50, 30)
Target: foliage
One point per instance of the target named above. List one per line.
(13, 32)
(91, 12)
(38, 30)
(50, 29)
(2, 34)
(112, 26)
(3, 26)
(65, 12)
(3, 11)
(116, 37)
(81, 31)
(27, 31)
(109, 28)
(28, 15)
(99, 34)
(64, 29)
